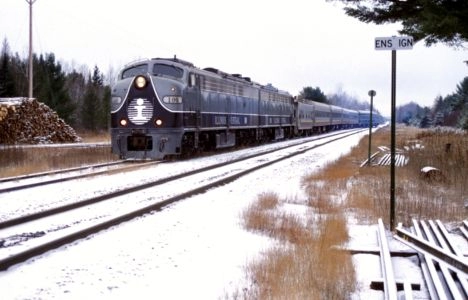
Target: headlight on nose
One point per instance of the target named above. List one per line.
(140, 81)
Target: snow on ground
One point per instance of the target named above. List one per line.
(195, 249)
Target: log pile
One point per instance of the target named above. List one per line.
(27, 121)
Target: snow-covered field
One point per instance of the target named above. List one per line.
(195, 249)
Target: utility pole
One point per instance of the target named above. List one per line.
(30, 67)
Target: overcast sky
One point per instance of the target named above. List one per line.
(291, 44)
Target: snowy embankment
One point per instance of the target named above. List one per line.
(196, 249)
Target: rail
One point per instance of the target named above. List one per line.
(443, 264)
(444, 267)
(155, 205)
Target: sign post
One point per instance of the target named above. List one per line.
(393, 43)
(371, 93)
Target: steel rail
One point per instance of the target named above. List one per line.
(438, 254)
(447, 243)
(390, 287)
(434, 285)
(57, 180)
(40, 249)
(67, 207)
(464, 229)
(434, 237)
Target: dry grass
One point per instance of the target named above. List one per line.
(416, 196)
(304, 265)
(94, 137)
(15, 161)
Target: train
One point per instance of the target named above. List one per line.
(167, 107)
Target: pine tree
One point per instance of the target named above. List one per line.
(95, 109)
(7, 84)
(314, 94)
(49, 86)
(430, 20)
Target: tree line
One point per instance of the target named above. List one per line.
(451, 110)
(340, 98)
(80, 98)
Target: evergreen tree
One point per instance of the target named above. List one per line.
(75, 84)
(434, 21)
(461, 103)
(89, 110)
(314, 94)
(106, 107)
(425, 118)
(96, 103)
(49, 86)
(7, 84)
(19, 70)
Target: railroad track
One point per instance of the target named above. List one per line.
(194, 182)
(443, 265)
(16, 183)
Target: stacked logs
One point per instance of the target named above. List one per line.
(27, 121)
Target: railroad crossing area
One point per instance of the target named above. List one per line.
(429, 260)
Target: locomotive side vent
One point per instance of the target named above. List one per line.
(140, 111)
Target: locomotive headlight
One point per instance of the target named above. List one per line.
(140, 81)
(158, 122)
(123, 122)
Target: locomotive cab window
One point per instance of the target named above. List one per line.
(134, 71)
(167, 70)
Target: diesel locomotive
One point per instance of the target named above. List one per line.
(168, 107)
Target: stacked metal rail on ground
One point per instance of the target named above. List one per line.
(444, 266)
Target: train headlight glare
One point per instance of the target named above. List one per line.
(158, 122)
(140, 81)
(123, 122)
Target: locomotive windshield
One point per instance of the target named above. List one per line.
(160, 69)
(136, 70)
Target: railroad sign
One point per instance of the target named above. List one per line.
(394, 43)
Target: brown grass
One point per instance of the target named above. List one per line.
(416, 196)
(15, 161)
(304, 264)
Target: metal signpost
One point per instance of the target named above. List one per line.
(372, 93)
(393, 43)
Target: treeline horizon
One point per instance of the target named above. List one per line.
(82, 97)
(450, 111)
